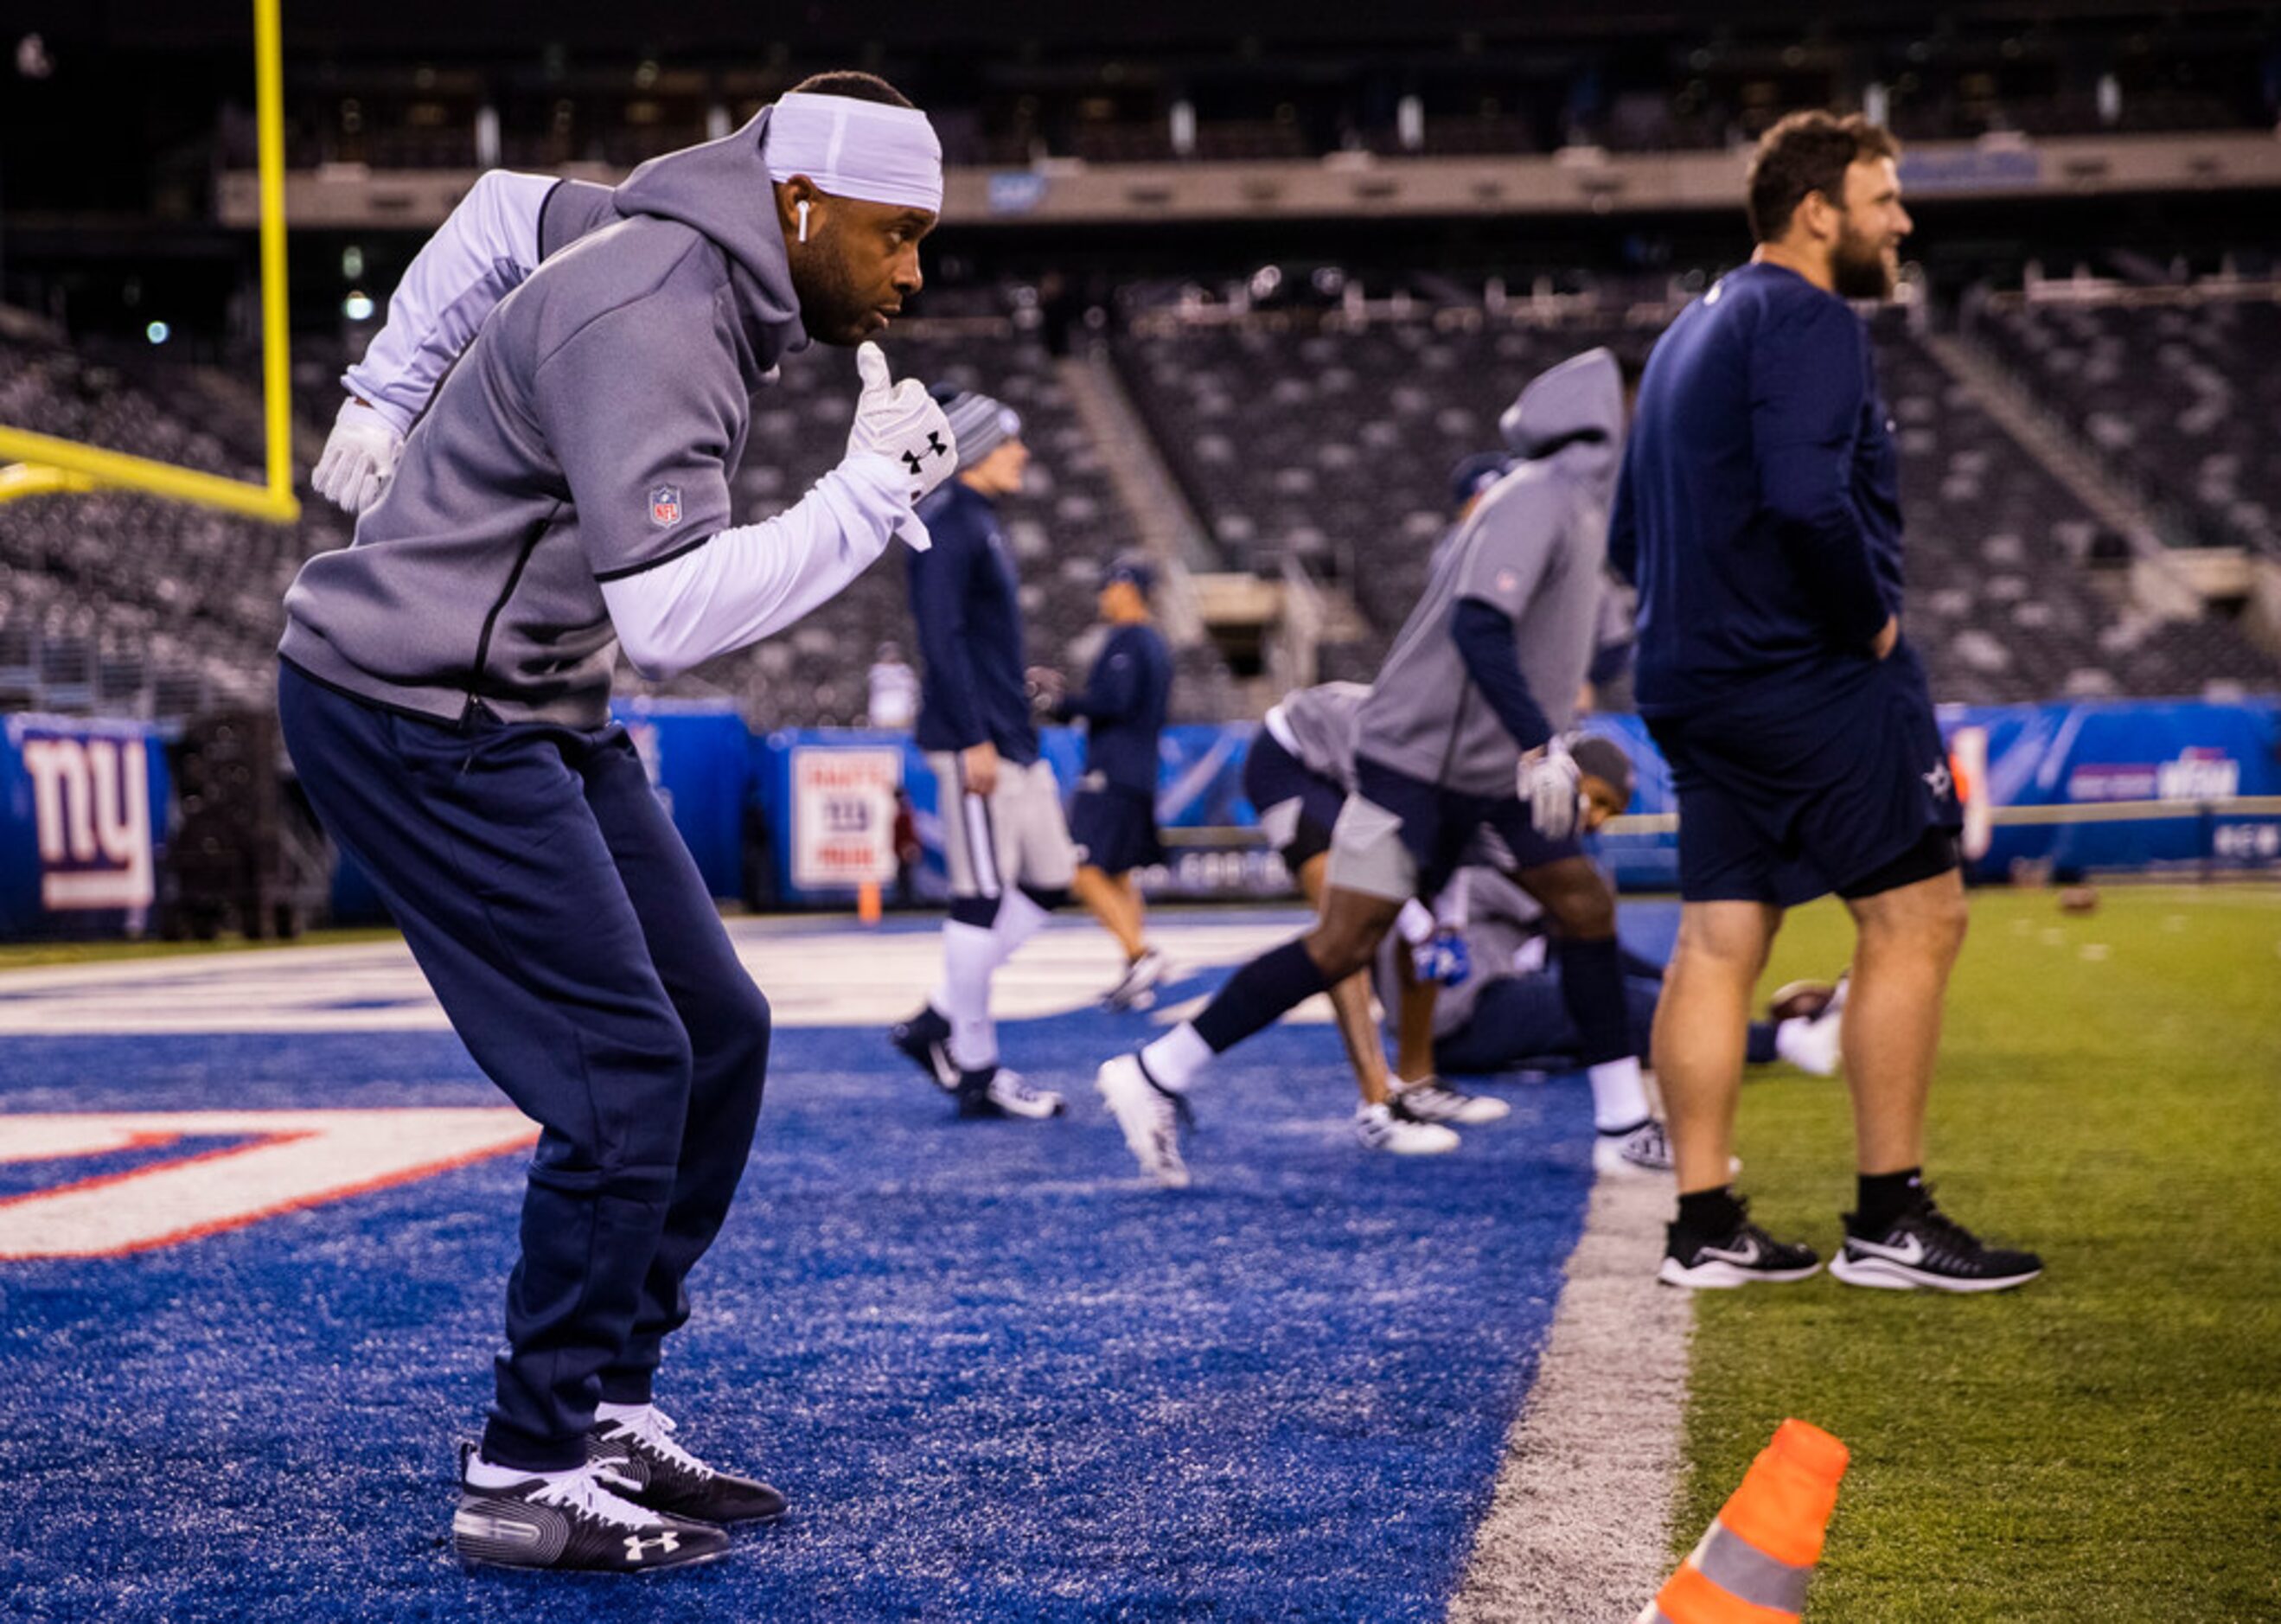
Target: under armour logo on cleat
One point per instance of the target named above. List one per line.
(665, 1544)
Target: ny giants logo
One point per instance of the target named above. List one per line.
(91, 814)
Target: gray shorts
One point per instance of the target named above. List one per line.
(1015, 836)
(1367, 853)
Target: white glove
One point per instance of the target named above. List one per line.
(1552, 789)
(902, 422)
(358, 458)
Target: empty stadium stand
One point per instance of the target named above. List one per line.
(1306, 440)
(2176, 387)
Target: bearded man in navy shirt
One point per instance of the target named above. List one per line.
(1758, 513)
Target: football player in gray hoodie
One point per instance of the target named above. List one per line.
(1464, 729)
(445, 693)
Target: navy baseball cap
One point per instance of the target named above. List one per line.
(1127, 568)
(1475, 475)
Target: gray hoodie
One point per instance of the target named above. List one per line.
(1533, 549)
(588, 433)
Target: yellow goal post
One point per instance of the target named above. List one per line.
(36, 464)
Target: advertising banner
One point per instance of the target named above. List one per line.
(82, 824)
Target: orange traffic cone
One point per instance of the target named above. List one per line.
(867, 901)
(1752, 1565)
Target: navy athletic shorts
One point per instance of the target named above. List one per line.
(1439, 826)
(1115, 827)
(1296, 808)
(1783, 799)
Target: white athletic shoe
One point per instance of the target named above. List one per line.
(1429, 1099)
(1010, 1092)
(1149, 1117)
(1137, 988)
(1378, 1128)
(1634, 1152)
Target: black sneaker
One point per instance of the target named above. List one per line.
(575, 1522)
(1745, 1256)
(659, 1473)
(1925, 1247)
(925, 1038)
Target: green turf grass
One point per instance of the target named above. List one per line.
(2105, 1442)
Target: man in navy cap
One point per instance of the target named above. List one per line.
(1005, 841)
(1113, 817)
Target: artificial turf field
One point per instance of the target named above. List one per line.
(1005, 1380)
(2106, 1443)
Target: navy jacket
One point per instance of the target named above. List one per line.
(966, 601)
(1124, 704)
(1759, 507)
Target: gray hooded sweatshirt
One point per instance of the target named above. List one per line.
(588, 433)
(1533, 549)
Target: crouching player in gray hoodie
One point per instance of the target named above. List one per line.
(1464, 729)
(445, 688)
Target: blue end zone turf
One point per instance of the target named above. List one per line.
(1000, 1377)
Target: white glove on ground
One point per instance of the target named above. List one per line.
(1551, 787)
(902, 422)
(358, 458)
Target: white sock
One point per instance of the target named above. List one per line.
(482, 1474)
(618, 1412)
(1019, 918)
(1175, 1059)
(970, 953)
(1619, 1097)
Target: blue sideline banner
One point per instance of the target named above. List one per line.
(82, 825)
(2091, 756)
(2177, 760)
(84, 805)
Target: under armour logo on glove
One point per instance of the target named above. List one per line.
(934, 448)
(902, 421)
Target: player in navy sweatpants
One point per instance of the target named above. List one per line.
(569, 937)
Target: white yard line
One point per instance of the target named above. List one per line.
(1578, 1529)
(848, 976)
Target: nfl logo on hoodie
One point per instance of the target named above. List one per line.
(665, 504)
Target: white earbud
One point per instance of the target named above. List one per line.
(800, 208)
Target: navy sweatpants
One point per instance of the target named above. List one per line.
(568, 934)
(1519, 1019)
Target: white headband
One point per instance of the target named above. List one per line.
(856, 149)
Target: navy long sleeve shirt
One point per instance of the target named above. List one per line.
(966, 602)
(1759, 513)
(1123, 704)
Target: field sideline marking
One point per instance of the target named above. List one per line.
(1579, 1522)
(842, 979)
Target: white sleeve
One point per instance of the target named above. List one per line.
(739, 584)
(477, 257)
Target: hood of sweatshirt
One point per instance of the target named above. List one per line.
(1573, 414)
(721, 188)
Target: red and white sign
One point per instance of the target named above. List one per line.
(843, 814)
